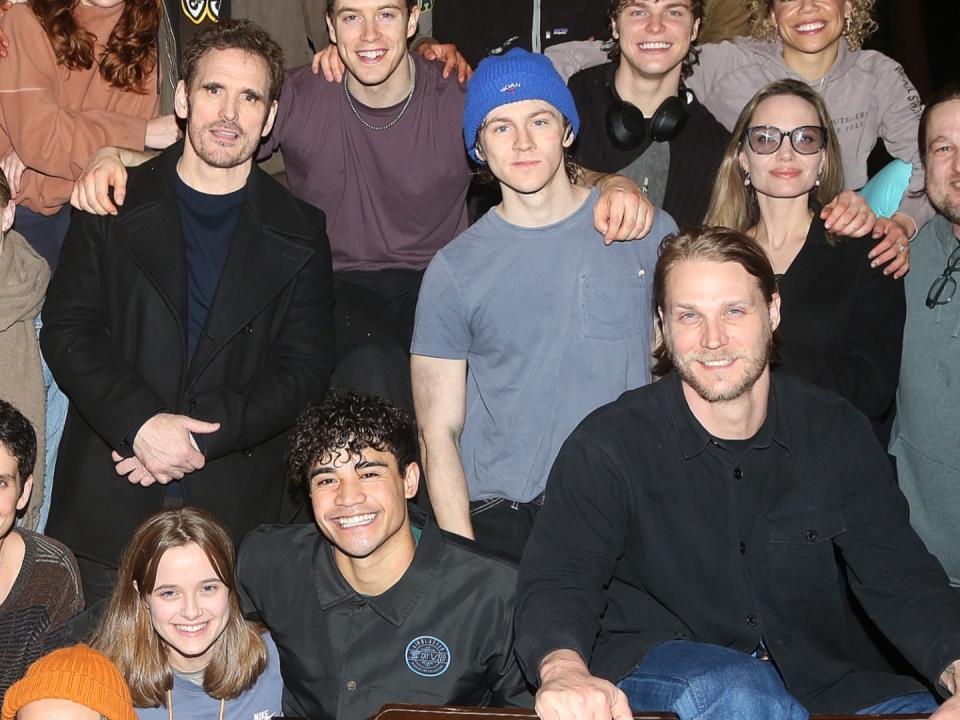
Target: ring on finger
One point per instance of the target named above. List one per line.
(901, 248)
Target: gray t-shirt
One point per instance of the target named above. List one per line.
(552, 323)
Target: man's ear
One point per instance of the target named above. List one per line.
(181, 104)
(25, 492)
(696, 30)
(271, 117)
(413, 21)
(478, 148)
(411, 480)
(331, 29)
(8, 213)
(774, 312)
(568, 136)
(614, 30)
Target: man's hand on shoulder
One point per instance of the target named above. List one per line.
(166, 448)
(569, 692)
(623, 212)
(106, 169)
(329, 63)
(451, 58)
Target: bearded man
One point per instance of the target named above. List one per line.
(189, 328)
(688, 558)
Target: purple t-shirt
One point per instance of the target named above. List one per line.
(392, 197)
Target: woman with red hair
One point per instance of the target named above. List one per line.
(80, 74)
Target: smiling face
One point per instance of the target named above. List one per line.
(371, 38)
(226, 108)
(810, 26)
(359, 501)
(524, 143)
(189, 606)
(655, 35)
(784, 173)
(942, 159)
(717, 328)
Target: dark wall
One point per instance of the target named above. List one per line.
(922, 36)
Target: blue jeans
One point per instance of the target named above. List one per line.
(918, 702)
(698, 681)
(56, 418)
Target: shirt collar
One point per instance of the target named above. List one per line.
(694, 438)
(396, 604)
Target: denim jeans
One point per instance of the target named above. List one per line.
(918, 702)
(698, 681)
(55, 419)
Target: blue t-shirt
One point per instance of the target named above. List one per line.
(260, 702)
(552, 324)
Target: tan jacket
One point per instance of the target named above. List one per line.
(56, 118)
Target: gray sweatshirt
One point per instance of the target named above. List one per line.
(868, 95)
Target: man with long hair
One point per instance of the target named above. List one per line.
(689, 557)
(189, 329)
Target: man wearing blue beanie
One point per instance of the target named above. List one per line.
(527, 321)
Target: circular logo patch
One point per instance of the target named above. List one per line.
(427, 656)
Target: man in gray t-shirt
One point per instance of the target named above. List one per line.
(526, 322)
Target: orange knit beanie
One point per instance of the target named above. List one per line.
(78, 673)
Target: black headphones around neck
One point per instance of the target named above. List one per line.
(628, 128)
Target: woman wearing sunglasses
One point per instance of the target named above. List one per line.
(842, 321)
(870, 97)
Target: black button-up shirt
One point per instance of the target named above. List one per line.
(653, 530)
(442, 635)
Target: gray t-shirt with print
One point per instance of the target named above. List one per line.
(552, 323)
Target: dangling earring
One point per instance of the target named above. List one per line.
(746, 180)
(817, 183)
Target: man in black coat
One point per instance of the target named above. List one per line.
(189, 328)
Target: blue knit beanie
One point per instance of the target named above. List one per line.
(512, 77)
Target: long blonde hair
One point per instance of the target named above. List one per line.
(734, 204)
(126, 634)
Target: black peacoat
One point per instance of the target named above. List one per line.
(115, 338)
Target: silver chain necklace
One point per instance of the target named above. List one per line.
(406, 104)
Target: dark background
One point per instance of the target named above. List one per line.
(923, 36)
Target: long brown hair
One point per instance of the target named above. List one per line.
(126, 634)
(130, 54)
(734, 204)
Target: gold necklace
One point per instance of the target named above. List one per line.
(170, 705)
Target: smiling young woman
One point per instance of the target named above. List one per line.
(174, 629)
(870, 97)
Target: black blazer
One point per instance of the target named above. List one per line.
(115, 337)
(841, 323)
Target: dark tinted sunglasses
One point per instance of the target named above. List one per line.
(806, 139)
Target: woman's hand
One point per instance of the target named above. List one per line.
(13, 168)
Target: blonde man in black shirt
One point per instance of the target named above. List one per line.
(686, 559)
